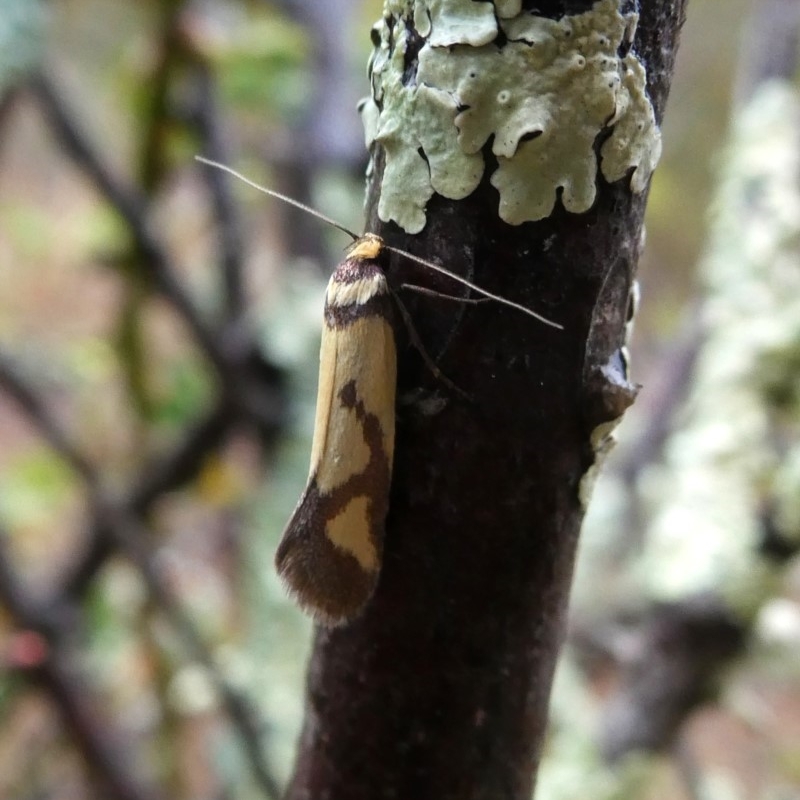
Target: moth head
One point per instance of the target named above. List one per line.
(368, 246)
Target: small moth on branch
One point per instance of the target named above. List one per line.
(330, 554)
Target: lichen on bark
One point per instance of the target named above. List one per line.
(543, 91)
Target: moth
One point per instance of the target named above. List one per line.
(330, 554)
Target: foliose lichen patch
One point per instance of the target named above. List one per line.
(415, 126)
(456, 22)
(541, 90)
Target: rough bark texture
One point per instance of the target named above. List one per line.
(440, 690)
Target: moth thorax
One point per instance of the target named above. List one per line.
(355, 282)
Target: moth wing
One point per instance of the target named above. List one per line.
(331, 550)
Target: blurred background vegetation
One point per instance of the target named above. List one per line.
(158, 348)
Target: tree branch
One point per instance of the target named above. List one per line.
(440, 690)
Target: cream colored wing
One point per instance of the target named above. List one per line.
(330, 553)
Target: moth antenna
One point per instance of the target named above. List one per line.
(286, 199)
(355, 237)
(464, 282)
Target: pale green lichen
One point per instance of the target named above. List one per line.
(507, 8)
(603, 441)
(456, 22)
(398, 8)
(545, 96)
(413, 121)
(410, 179)
(636, 141)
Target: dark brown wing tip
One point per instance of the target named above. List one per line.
(332, 588)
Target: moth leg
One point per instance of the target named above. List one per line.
(472, 301)
(417, 342)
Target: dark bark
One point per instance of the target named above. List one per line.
(440, 690)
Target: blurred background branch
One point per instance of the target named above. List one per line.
(709, 484)
(45, 657)
(124, 533)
